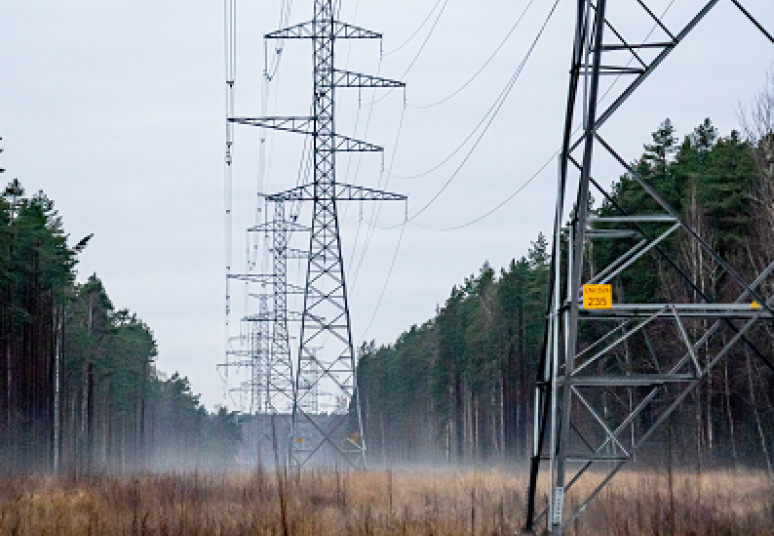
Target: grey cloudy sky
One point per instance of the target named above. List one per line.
(116, 111)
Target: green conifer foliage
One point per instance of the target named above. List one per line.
(78, 383)
(466, 377)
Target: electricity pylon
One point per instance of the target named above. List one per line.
(260, 373)
(622, 355)
(326, 357)
(280, 377)
(268, 355)
(251, 353)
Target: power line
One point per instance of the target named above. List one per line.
(382, 183)
(386, 282)
(376, 206)
(510, 196)
(359, 157)
(375, 216)
(483, 66)
(543, 167)
(493, 112)
(500, 205)
(503, 94)
(271, 72)
(377, 209)
(415, 33)
(229, 36)
(419, 52)
(449, 156)
(424, 43)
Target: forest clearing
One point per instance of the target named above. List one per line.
(596, 358)
(328, 503)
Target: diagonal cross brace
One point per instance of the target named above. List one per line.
(637, 82)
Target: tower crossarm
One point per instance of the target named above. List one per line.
(291, 315)
(350, 79)
(291, 289)
(343, 192)
(343, 144)
(264, 279)
(312, 30)
(305, 125)
(300, 125)
(269, 337)
(260, 317)
(236, 364)
(286, 226)
(294, 254)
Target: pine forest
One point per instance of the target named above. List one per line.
(81, 391)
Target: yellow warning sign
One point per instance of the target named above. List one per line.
(597, 296)
(755, 305)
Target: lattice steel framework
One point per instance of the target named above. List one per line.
(326, 358)
(592, 357)
(251, 352)
(280, 377)
(260, 350)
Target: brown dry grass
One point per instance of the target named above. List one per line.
(712, 504)
(373, 503)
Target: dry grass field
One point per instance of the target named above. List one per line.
(374, 503)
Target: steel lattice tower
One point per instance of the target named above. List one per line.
(260, 335)
(280, 377)
(269, 357)
(326, 357)
(253, 353)
(577, 435)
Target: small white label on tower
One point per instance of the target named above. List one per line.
(557, 504)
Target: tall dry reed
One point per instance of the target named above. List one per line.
(320, 503)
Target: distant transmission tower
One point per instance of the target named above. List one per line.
(278, 365)
(597, 403)
(253, 352)
(265, 350)
(326, 358)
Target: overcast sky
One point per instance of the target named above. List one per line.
(116, 111)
